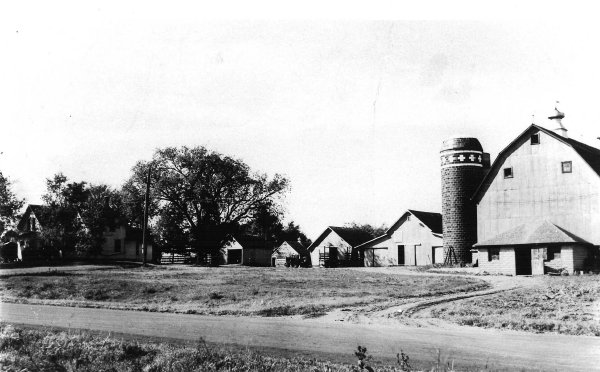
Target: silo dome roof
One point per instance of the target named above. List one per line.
(461, 143)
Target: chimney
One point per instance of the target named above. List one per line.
(558, 126)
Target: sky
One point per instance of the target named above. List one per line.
(352, 105)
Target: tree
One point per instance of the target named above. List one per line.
(293, 232)
(374, 231)
(205, 194)
(79, 213)
(10, 205)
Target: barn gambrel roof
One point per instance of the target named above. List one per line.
(589, 154)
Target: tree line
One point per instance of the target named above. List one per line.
(198, 199)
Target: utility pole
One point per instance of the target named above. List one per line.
(146, 206)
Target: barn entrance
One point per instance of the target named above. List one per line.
(523, 260)
(234, 256)
(400, 255)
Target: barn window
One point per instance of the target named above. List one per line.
(493, 254)
(553, 253)
(535, 139)
(508, 172)
(117, 245)
(567, 167)
(32, 223)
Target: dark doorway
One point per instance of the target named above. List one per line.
(332, 257)
(523, 260)
(272, 261)
(400, 255)
(234, 256)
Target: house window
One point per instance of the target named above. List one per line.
(117, 245)
(508, 172)
(493, 254)
(535, 139)
(567, 167)
(32, 224)
(553, 253)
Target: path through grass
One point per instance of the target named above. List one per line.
(228, 290)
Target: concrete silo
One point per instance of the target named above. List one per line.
(463, 166)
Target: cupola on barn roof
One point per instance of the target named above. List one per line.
(557, 118)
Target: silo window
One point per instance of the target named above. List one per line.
(567, 167)
(535, 139)
(508, 172)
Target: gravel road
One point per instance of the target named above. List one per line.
(499, 350)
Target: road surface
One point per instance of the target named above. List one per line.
(499, 350)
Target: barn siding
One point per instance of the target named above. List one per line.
(416, 238)
(505, 265)
(332, 239)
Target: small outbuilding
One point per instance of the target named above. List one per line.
(336, 246)
(414, 239)
(533, 248)
(288, 252)
(247, 250)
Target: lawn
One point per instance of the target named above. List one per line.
(567, 305)
(228, 290)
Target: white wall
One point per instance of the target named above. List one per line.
(539, 190)
(332, 239)
(418, 242)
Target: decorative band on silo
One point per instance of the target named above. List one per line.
(462, 158)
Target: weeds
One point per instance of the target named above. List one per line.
(567, 305)
(37, 350)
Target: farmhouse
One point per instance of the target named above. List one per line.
(336, 246)
(538, 208)
(288, 250)
(414, 239)
(29, 227)
(247, 250)
(124, 243)
(120, 242)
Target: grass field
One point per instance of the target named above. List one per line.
(24, 349)
(228, 290)
(567, 305)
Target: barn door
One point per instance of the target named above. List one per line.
(400, 255)
(537, 261)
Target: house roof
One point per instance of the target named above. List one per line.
(589, 154)
(350, 235)
(537, 232)
(41, 212)
(432, 220)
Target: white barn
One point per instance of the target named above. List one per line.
(415, 239)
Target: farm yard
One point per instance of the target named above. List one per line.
(567, 305)
(228, 290)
